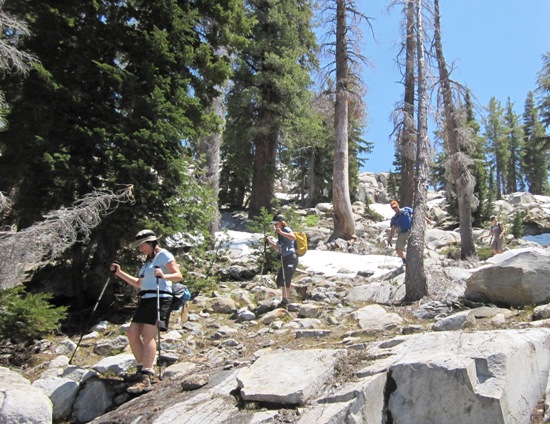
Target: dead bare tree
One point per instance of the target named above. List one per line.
(403, 117)
(344, 19)
(416, 286)
(12, 59)
(458, 140)
(24, 252)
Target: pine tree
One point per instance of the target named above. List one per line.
(270, 87)
(543, 90)
(515, 147)
(481, 190)
(120, 88)
(497, 147)
(536, 154)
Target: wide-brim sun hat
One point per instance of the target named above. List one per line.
(144, 236)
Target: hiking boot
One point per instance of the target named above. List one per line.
(142, 386)
(404, 261)
(284, 303)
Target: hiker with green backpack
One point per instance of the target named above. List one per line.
(286, 246)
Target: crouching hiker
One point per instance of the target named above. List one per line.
(159, 265)
(289, 260)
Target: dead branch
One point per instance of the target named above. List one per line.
(23, 252)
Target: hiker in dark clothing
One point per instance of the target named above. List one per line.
(289, 260)
(497, 231)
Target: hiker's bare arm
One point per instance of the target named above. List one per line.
(289, 235)
(174, 273)
(272, 243)
(130, 279)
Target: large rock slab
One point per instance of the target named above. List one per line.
(514, 278)
(355, 402)
(22, 403)
(455, 377)
(289, 378)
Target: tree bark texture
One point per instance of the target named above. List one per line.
(463, 180)
(407, 140)
(264, 165)
(208, 150)
(416, 286)
(344, 226)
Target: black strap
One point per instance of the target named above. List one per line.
(142, 292)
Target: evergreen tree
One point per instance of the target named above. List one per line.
(536, 154)
(497, 147)
(543, 89)
(479, 168)
(515, 147)
(270, 88)
(120, 88)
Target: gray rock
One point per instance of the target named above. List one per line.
(514, 278)
(304, 374)
(16, 393)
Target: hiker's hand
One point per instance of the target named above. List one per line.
(115, 267)
(159, 273)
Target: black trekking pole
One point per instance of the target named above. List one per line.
(158, 327)
(91, 316)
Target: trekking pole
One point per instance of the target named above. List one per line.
(90, 319)
(264, 263)
(158, 327)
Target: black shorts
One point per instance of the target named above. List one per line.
(147, 312)
(288, 267)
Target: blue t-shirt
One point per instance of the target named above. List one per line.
(147, 275)
(287, 245)
(402, 219)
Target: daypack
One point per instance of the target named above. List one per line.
(405, 220)
(301, 243)
(180, 294)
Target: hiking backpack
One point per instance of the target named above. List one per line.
(301, 243)
(406, 218)
(180, 295)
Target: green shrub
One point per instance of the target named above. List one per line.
(518, 229)
(26, 316)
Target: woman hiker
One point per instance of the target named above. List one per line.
(497, 231)
(289, 260)
(159, 263)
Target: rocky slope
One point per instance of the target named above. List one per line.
(346, 350)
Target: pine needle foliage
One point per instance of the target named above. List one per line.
(25, 317)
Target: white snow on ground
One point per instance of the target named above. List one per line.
(324, 262)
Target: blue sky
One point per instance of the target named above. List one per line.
(496, 47)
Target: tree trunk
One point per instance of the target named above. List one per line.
(310, 181)
(264, 166)
(463, 180)
(208, 150)
(416, 286)
(407, 142)
(344, 226)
